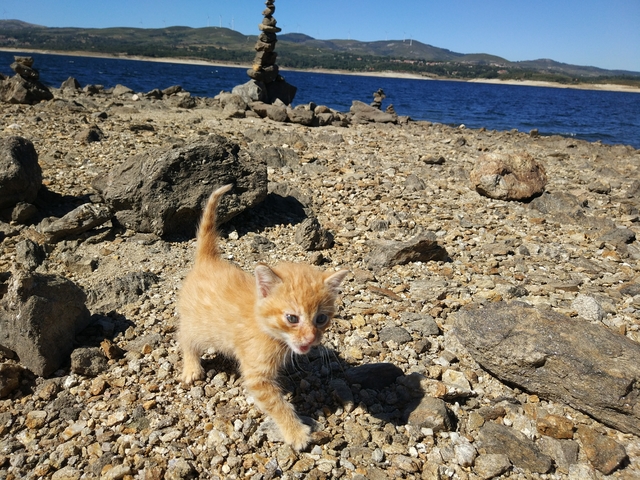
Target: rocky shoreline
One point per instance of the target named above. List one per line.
(399, 390)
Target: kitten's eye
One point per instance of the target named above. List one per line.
(292, 318)
(321, 319)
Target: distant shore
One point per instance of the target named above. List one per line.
(385, 74)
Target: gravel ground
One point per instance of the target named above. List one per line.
(365, 183)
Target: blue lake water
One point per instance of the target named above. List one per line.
(611, 117)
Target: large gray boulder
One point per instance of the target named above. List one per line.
(39, 318)
(20, 173)
(163, 192)
(563, 359)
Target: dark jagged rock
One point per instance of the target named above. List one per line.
(39, 318)
(564, 359)
(163, 192)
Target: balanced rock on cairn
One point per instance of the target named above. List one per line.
(266, 85)
(24, 87)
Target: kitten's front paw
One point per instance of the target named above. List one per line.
(191, 375)
(298, 437)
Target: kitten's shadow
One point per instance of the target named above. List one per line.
(324, 379)
(281, 208)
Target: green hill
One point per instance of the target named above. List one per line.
(296, 50)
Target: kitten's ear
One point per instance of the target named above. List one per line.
(334, 280)
(266, 279)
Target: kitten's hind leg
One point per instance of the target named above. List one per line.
(192, 367)
(271, 400)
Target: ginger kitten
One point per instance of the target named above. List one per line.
(258, 320)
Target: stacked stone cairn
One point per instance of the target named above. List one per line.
(24, 87)
(264, 64)
(378, 97)
(266, 80)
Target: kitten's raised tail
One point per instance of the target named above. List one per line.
(207, 238)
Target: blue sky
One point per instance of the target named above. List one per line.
(601, 33)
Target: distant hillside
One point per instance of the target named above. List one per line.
(296, 50)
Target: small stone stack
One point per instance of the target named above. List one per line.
(266, 84)
(23, 66)
(24, 87)
(264, 64)
(378, 97)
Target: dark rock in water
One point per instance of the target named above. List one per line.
(508, 176)
(39, 318)
(422, 248)
(522, 452)
(310, 235)
(163, 192)
(20, 173)
(17, 90)
(374, 375)
(80, 220)
(564, 359)
(89, 362)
